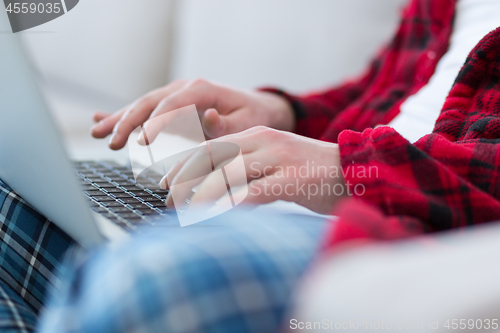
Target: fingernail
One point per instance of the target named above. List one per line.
(221, 124)
(169, 202)
(169, 173)
(113, 140)
(164, 183)
(218, 120)
(141, 139)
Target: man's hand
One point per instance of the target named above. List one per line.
(224, 110)
(279, 166)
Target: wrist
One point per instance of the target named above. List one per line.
(281, 115)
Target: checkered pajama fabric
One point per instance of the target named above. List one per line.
(31, 249)
(232, 274)
(15, 315)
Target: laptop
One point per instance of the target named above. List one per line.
(92, 201)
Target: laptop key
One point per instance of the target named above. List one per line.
(130, 200)
(87, 173)
(99, 209)
(122, 195)
(118, 167)
(142, 194)
(151, 199)
(129, 174)
(160, 192)
(123, 182)
(95, 178)
(165, 209)
(121, 209)
(94, 192)
(133, 188)
(103, 198)
(116, 178)
(108, 173)
(159, 204)
(113, 204)
(106, 185)
(149, 185)
(114, 190)
(100, 168)
(98, 180)
(148, 212)
(130, 216)
(138, 205)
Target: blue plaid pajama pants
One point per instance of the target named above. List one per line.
(32, 250)
(234, 273)
(231, 274)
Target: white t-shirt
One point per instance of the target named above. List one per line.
(474, 19)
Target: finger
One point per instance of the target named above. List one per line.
(197, 167)
(201, 98)
(216, 125)
(237, 173)
(249, 140)
(212, 124)
(138, 113)
(203, 162)
(219, 160)
(217, 152)
(131, 119)
(258, 192)
(221, 182)
(168, 178)
(206, 96)
(154, 126)
(105, 126)
(97, 116)
(255, 165)
(212, 188)
(267, 190)
(200, 165)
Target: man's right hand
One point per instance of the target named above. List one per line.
(224, 110)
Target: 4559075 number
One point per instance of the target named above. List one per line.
(32, 8)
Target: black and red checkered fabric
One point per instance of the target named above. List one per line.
(399, 71)
(448, 179)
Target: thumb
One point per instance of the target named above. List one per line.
(213, 124)
(216, 125)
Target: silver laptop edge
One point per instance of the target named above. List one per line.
(33, 160)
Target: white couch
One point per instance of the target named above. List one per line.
(428, 284)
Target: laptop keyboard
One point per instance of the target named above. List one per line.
(113, 192)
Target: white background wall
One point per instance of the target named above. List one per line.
(115, 48)
(296, 44)
(103, 54)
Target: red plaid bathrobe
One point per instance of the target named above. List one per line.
(448, 179)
